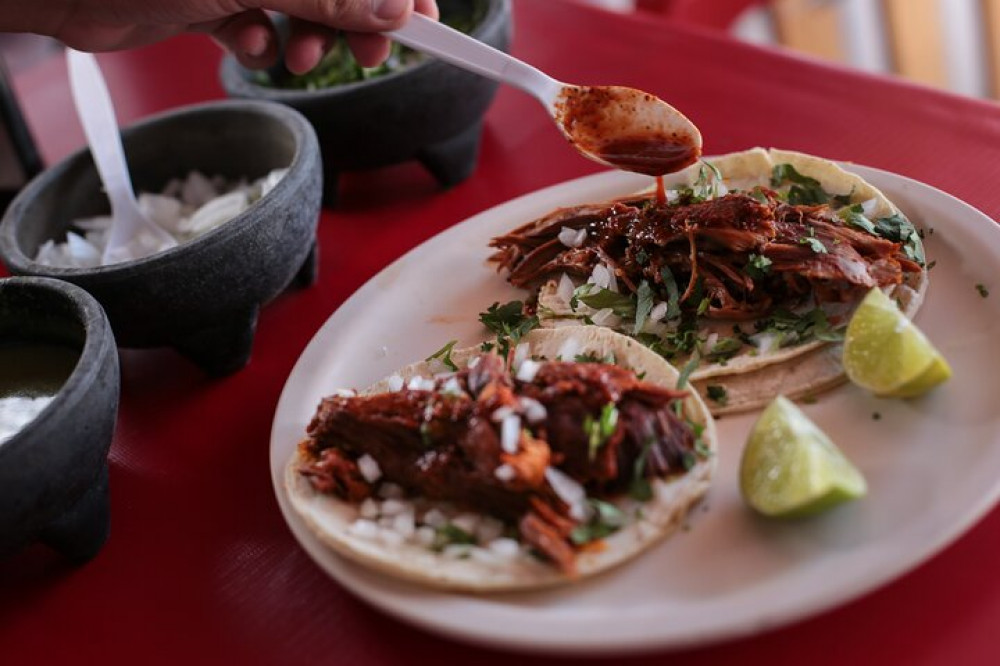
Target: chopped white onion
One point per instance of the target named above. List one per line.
(467, 522)
(510, 433)
(425, 535)
(501, 413)
(521, 352)
(393, 507)
(418, 383)
(765, 342)
(600, 276)
(395, 383)
(565, 289)
(504, 472)
(369, 468)
(452, 387)
(527, 370)
(405, 524)
(185, 210)
(534, 411)
(345, 393)
(658, 312)
(868, 207)
(473, 362)
(602, 317)
(434, 518)
(505, 548)
(390, 536)
(572, 237)
(366, 529)
(569, 491)
(369, 509)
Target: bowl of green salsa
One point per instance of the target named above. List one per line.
(410, 108)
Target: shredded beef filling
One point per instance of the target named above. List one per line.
(709, 244)
(446, 445)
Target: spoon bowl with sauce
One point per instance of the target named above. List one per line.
(59, 390)
(616, 126)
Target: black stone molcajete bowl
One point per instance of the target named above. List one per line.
(431, 112)
(201, 297)
(53, 471)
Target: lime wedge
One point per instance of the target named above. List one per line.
(791, 468)
(887, 354)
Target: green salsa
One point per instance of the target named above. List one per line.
(338, 66)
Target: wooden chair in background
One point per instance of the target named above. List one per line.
(946, 43)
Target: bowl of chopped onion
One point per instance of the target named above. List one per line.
(236, 183)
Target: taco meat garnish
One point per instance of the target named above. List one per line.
(533, 449)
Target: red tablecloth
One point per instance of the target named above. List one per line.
(200, 567)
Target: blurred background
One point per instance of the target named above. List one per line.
(951, 44)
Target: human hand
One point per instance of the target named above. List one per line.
(242, 26)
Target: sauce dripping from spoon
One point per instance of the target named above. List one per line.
(628, 129)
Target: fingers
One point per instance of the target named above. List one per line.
(307, 44)
(348, 15)
(371, 49)
(250, 36)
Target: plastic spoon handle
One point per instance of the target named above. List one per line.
(436, 39)
(100, 125)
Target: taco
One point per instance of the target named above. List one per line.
(745, 272)
(575, 457)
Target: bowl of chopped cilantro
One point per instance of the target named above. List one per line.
(410, 108)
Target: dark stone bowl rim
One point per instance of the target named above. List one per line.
(98, 338)
(301, 130)
(231, 73)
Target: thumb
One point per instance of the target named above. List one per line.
(348, 15)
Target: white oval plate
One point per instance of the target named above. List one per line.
(933, 464)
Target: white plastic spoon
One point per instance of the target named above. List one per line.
(97, 115)
(616, 126)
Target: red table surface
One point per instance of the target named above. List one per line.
(200, 566)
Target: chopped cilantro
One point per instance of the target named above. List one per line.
(592, 357)
(673, 294)
(606, 519)
(803, 191)
(599, 430)
(640, 489)
(641, 257)
(449, 534)
(815, 244)
(644, 305)
(689, 460)
(758, 195)
(703, 305)
(725, 348)
(689, 367)
(854, 216)
(599, 298)
(757, 266)
(791, 328)
(983, 291)
(509, 323)
(898, 229)
(717, 394)
(445, 355)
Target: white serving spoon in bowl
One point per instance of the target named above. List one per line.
(97, 115)
(616, 126)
